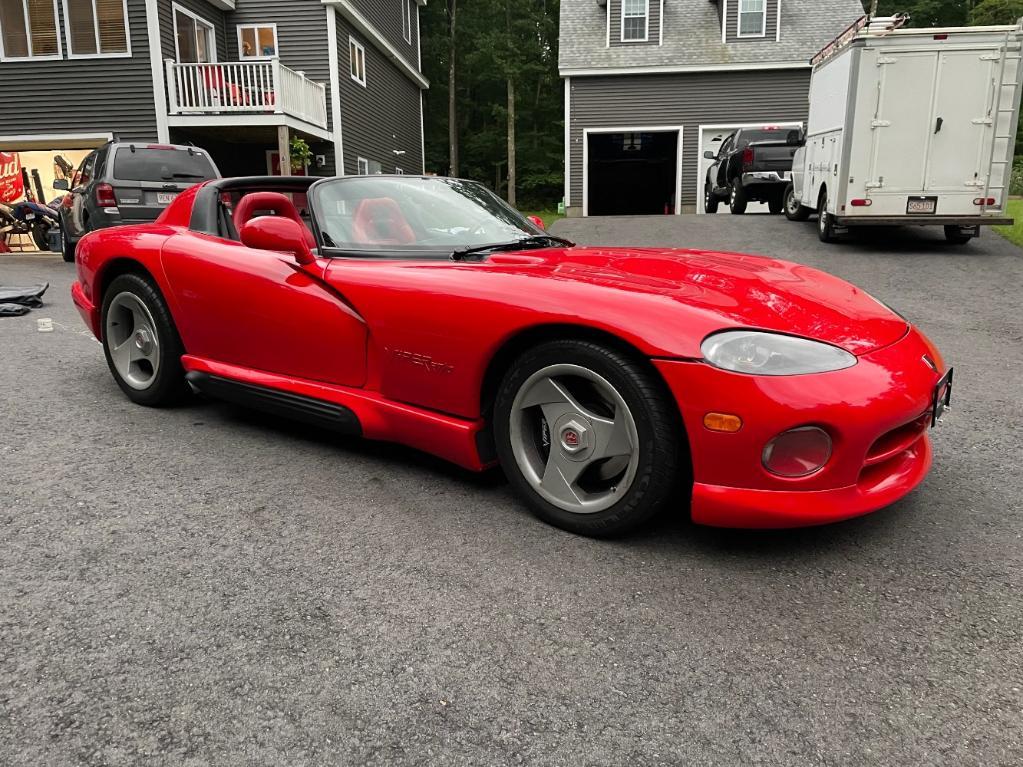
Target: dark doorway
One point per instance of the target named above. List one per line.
(632, 174)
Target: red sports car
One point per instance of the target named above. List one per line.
(608, 383)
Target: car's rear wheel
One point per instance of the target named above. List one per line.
(737, 201)
(141, 344)
(588, 437)
(775, 203)
(794, 210)
(710, 200)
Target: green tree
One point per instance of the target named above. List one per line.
(996, 12)
(508, 97)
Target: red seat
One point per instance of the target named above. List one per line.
(256, 204)
(379, 221)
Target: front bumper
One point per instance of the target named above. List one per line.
(875, 413)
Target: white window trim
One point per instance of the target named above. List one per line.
(362, 55)
(95, 24)
(646, 28)
(238, 33)
(406, 20)
(28, 37)
(175, 8)
(738, 21)
(398, 171)
(361, 166)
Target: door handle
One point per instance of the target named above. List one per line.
(937, 124)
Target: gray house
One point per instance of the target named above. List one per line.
(239, 77)
(650, 85)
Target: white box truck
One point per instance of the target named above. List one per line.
(910, 127)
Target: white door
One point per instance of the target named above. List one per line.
(903, 124)
(962, 121)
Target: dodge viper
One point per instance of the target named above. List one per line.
(608, 383)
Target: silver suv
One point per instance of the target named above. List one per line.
(127, 183)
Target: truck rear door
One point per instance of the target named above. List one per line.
(961, 127)
(902, 122)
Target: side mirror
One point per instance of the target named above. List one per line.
(538, 221)
(61, 185)
(276, 233)
(709, 155)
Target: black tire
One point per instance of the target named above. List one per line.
(956, 236)
(737, 201)
(67, 245)
(661, 456)
(825, 224)
(710, 200)
(168, 386)
(39, 235)
(774, 204)
(794, 210)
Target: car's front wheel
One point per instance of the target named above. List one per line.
(141, 344)
(67, 245)
(710, 200)
(588, 437)
(794, 209)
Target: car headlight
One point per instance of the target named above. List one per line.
(771, 354)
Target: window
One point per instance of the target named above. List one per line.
(96, 28)
(406, 20)
(362, 166)
(257, 41)
(28, 29)
(634, 20)
(752, 18)
(357, 61)
(158, 165)
(194, 40)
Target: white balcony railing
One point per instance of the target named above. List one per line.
(261, 87)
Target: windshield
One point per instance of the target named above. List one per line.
(413, 214)
(150, 164)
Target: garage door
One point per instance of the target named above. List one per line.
(631, 171)
(710, 140)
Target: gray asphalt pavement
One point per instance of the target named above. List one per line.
(207, 586)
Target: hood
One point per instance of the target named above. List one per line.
(729, 290)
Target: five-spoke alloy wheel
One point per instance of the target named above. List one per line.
(141, 344)
(588, 436)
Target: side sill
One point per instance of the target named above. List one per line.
(327, 415)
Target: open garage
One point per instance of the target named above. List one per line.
(632, 171)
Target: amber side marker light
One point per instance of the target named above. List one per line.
(725, 422)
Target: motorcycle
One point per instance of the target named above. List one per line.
(37, 219)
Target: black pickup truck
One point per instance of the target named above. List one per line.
(752, 165)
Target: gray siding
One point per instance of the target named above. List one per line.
(614, 8)
(682, 99)
(382, 117)
(302, 43)
(732, 30)
(385, 15)
(203, 10)
(82, 95)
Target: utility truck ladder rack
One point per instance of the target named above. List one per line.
(865, 26)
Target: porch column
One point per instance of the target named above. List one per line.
(284, 148)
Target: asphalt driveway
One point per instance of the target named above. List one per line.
(206, 586)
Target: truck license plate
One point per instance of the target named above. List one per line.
(920, 205)
(165, 198)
